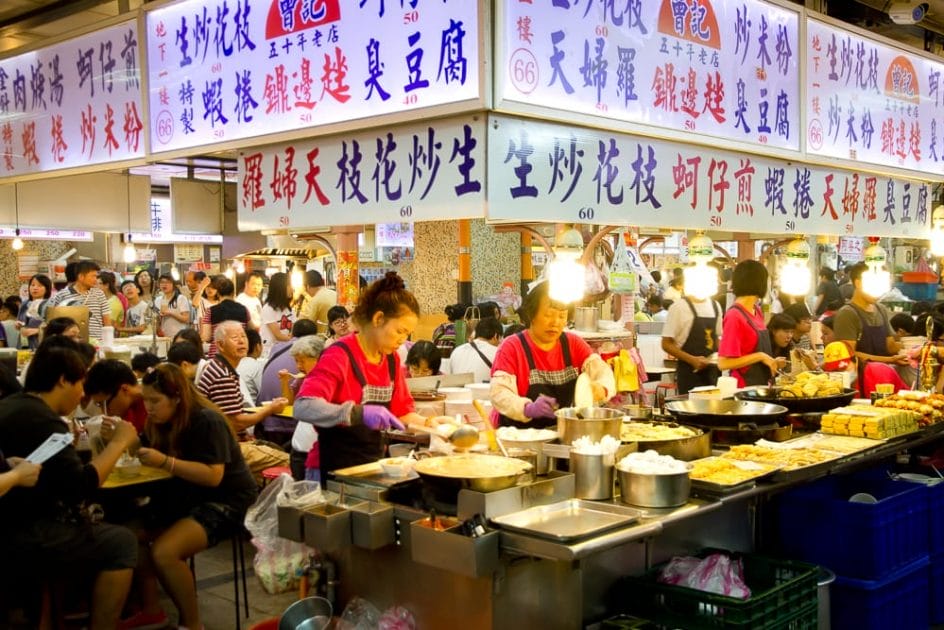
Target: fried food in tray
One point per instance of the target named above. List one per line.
(785, 458)
(810, 385)
(929, 406)
(727, 472)
(653, 431)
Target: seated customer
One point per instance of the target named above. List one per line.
(114, 387)
(423, 359)
(17, 472)
(477, 355)
(188, 358)
(804, 322)
(782, 328)
(141, 363)
(65, 326)
(903, 325)
(213, 488)
(44, 529)
(272, 385)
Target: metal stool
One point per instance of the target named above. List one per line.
(239, 573)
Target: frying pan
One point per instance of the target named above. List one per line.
(725, 413)
(483, 473)
(795, 404)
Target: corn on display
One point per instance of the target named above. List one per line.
(878, 423)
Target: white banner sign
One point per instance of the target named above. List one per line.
(548, 172)
(873, 103)
(46, 234)
(228, 69)
(75, 103)
(724, 68)
(408, 173)
(162, 227)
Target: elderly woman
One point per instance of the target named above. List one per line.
(535, 371)
(304, 460)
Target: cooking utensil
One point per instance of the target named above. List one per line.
(574, 422)
(794, 404)
(724, 413)
(311, 613)
(654, 491)
(465, 436)
(482, 473)
(493, 444)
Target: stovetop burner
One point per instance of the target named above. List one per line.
(421, 496)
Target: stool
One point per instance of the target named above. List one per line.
(239, 573)
(273, 472)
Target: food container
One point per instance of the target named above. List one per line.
(683, 448)
(310, 613)
(541, 437)
(482, 473)
(396, 466)
(595, 422)
(638, 412)
(480, 391)
(654, 490)
(526, 455)
(593, 475)
(586, 318)
(450, 550)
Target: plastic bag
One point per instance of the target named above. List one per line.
(359, 614)
(623, 277)
(279, 563)
(397, 618)
(717, 573)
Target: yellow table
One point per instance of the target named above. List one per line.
(146, 474)
(285, 413)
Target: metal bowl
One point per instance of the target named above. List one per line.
(482, 473)
(595, 422)
(795, 404)
(654, 491)
(684, 448)
(311, 613)
(725, 412)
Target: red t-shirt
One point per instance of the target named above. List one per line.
(510, 357)
(737, 336)
(136, 414)
(333, 379)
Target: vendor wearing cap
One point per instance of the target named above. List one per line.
(838, 358)
(535, 371)
(864, 325)
(691, 334)
(745, 341)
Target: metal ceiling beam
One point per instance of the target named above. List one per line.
(46, 14)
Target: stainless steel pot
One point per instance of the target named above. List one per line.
(586, 318)
(595, 422)
(311, 613)
(654, 491)
(686, 448)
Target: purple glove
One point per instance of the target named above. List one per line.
(378, 418)
(543, 407)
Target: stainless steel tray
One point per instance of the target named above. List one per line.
(568, 520)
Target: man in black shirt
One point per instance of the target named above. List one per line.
(828, 290)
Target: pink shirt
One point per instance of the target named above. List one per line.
(334, 381)
(511, 358)
(737, 336)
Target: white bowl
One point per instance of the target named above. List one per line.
(397, 466)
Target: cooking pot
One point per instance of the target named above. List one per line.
(684, 448)
(482, 473)
(749, 432)
(796, 404)
(595, 422)
(724, 413)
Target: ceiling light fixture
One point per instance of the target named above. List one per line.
(17, 243)
(129, 254)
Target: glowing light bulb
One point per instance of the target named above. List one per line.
(129, 254)
(240, 267)
(937, 231)
(298, 279)
(701, 279)
(17, 244)
(795, 275)
(230, 273)
(876, 281)
(175, 273)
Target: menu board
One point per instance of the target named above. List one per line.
(550, 172)
(222, 70)
(724, 68)
(408, 173)
(871, 102)
(75, 103)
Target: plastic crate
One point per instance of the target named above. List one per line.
(936, 590)
(898, 601)
(918, 290)
(922, 277)
(936, 520)
(866, 541)
(783, 596)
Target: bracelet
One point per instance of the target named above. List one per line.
(164, 463)
(173, 463)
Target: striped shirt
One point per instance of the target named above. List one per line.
(94, 299)
(219, 382)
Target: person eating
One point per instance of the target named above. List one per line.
(535, 372)
(745, 347)
(358, 389)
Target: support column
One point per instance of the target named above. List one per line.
(464, 288)
(348, 278)
(527, 266)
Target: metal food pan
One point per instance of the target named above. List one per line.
(568, 520)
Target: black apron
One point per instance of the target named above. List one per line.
(756, 373)
(344, 446)
(702, 341)
(558, 384)
(872, 340)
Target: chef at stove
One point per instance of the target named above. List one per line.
(535, 371)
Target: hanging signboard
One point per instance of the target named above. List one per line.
(46, 234)
(408, 173)
(549, 172)
(723, 68)
(223, 70)
(74, 103)
(162, 228)
(871, 102)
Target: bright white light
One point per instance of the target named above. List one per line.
(270, 271)
(230, 273)
(876, 282)
(937, 241)
(17, 244)
(565, 276)
(240, 267)
(129, 254)
(795, 279)
(298, 279)
(701, 281)
(175, 273)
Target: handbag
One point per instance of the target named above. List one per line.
(622, 276)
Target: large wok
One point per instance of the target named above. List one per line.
(482, 473)
(796, 404)
(725, 413)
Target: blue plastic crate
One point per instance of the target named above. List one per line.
(898, 601)
(918, 290)
(936, 590)
(817, 523)
(936, 514)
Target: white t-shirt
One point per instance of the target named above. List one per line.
(271, 316)
(254, 306)
(250, 378)
(465, 359)
(678, 323)
(170, 326)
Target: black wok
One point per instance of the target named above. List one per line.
(796, 404)
(725, 413)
